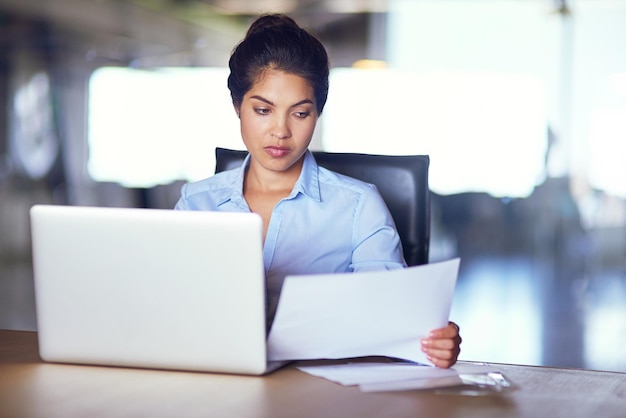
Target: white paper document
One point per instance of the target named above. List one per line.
(382, 313)
(369, 373)
(384, 377)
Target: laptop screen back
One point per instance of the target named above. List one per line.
(150, 288)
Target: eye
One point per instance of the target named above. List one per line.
(262, 110)
(302, 115)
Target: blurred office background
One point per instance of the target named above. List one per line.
(521, 105)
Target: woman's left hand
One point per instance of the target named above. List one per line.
(443, 345)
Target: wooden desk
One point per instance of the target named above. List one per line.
(31, 388)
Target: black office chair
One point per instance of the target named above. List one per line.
(402, 181)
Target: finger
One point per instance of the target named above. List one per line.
(443, 358)
(441, 343)
(450, 331)
(445, 349)
(442, 363)
(442, 353)
(438, 344)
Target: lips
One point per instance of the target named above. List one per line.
(277, 152)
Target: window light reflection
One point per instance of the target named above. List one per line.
(485, 132)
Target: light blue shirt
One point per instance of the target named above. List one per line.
(329, 223)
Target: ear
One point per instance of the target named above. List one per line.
(237, 109)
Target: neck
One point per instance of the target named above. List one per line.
(260, 179)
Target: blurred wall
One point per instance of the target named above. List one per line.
(48, 51)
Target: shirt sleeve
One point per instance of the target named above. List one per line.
(376, 243)
(182, 202)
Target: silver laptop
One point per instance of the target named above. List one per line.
(150, 288)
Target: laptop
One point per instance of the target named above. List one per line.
(150, 288)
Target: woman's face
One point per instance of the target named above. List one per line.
(278, 116)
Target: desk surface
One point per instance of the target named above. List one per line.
(32, 388)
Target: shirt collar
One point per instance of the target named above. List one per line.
(234, 191)
(307, 184)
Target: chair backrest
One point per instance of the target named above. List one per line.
(402, 181)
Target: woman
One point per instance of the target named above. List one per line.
(314, 220)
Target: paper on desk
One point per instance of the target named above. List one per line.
(382, 313)
(368, 373)
(480, 375)
(377, 377)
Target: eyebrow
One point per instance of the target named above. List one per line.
(269, 102)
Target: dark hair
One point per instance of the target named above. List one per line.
(277, 42)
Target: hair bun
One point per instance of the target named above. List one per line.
(271, 21)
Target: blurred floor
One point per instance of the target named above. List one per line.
(512, 310)
(534, 286)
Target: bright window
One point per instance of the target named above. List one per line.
(155, 127)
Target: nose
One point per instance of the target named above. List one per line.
(281, 130)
